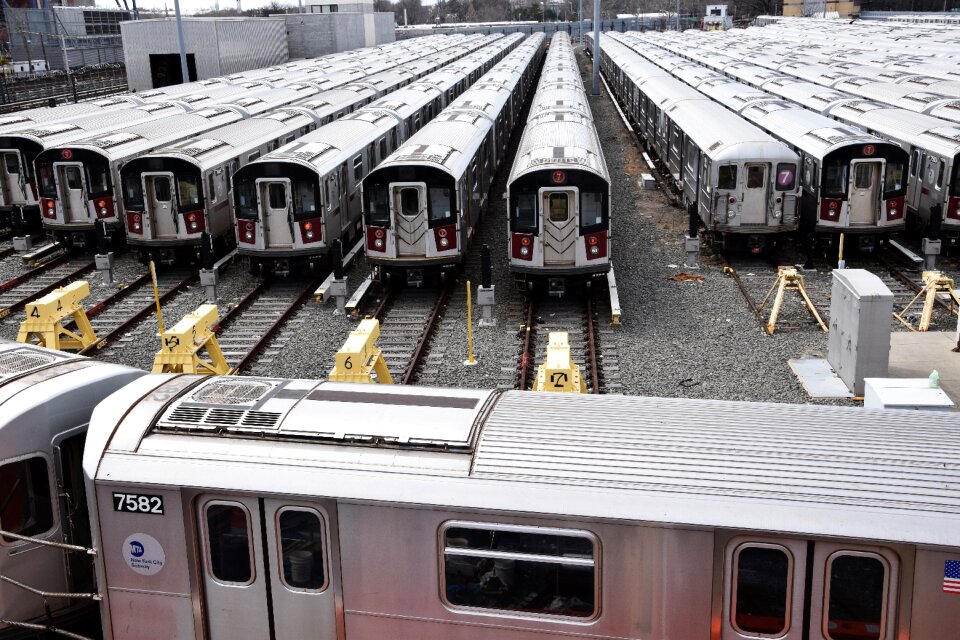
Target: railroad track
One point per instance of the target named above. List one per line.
(16, 293)
(577, 317)
(6, 250)
(251, 327)
(124, 309)
(905, 283)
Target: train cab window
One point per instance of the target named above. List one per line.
(133, 191)
(559, 207)
(761, 589)
(441, 207)
(245, 199)
(301, 549)
(228, 542)
(591, 210)
(48, 188)
(727, 176)
(835, 178)
(161, 189)
(97, 178)
(525, 214)
(277, 195)
(516, 569)
(856, 594)
(188, 190)
(358, 169)
(863, 175)
(893, 176)
(12, 163)
(955, 189)
(756, 175)
(304, 198)
(25, 506)
(409, 201)
(74, 181)
(378, 208)
(786, 176)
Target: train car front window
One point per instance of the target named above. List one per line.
(188, 189)
(378, 208)
(893, 177)
(835, 178)
(97, 178)
(559, 207)
(786, 176)
(441, 209)
(409, 201)
(532, 570)
(755, 176)
(301, 549)
(863, 175)
(133, 191)
(525, 214)
(591, 210)
(955, 189)
(12, 163)
(73, 179)
(48, 187)
(727, 176)
(277, 195)
(25, 507)
(857, 592)
(305, 198)
(228, 542)
(161, 189)
(245, 197)
(761, 590)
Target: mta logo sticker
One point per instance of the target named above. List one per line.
(143, 554)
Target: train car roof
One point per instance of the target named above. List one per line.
(805, 470)
(916, 129)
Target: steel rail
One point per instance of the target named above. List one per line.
(592, 347)
(245, 302)
(7, 252)
(425, 335)
(22, 302)
(525, 356)
(899, 274)
(27, 276)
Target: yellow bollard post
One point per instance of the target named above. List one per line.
(156, 296)
(182, 345)
(470, 361)
(840, 262)
(359, 357)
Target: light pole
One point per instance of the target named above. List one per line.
(596, 47)
(184, 70)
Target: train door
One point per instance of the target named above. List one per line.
(560, 225)
(13, 184)
(270, 568)
(797, 589)
(864, 192)
(915, 183)
(408, 203)
(161, 218)
(756, 194)
(72, 190)
(275, 208)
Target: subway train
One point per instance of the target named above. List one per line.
(46, 398)
(271, 508)
(558, 190)
(291, 205)
(422, 204)
(741, 180)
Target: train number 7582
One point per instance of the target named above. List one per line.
(137, 503)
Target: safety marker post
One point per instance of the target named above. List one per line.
(46, 316)
(934, 284)
(360, 358)
(559, 373)
(470, 361)
(788, 278)
(183, 343)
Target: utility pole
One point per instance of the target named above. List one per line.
(678, 16)
(596, 47)
(581, 23)
(184, 69)
(66, 66)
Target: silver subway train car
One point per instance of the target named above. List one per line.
(46, 398)
(558, 190)
(423, 203)
(270, 508)
(294, 203)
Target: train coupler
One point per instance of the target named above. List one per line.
(414, 278)
(559, 373)
(182, 345)
(557, 287)
(359, 359)
(46, 316)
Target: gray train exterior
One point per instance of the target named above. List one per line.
(256, 508)
(292, 204)
(741, 179)
(46, 398)
(171, 196)
(423, 203)
(558, 190)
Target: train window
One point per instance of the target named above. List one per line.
(228, 542)
(915, 162)
(188, 188)
(383, 148)
(211, 187)
(761, 589)
(74, 181)
(277, 195)
(939, 181)
(441, 209)
(525, 214)
(893, 176)
(520, 569)
(25, 507)
(97, 180)
(358, 168)
(786, 176)
(863, 175)
(591, 210)
(855, 596)
(48, 187)
(133, 191)
(835, 178)
(253, 156)
(559, 207)
(410, 201)
(727, 176)
(161, 189)
(955, 189)
(245, 199)
(378, 209)
(304, 197)
(12, 162)
(301, 549)
(756, 176)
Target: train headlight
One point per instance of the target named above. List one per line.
(775, 213)
(731, 214)
(444, 243)
(309, 235)
(594, 250)
(524, 251)
(378, 243)
(249, 236)
(893, 213)
(103, 211)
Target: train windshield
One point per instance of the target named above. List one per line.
(188, 192)
(955, 185)
(893, 177)
(378, 206)
(440, 206)
(48, 188)
(305, 200)
(245, 199)
(727, 177)
(98, 177)
(132, 191)
(524, 218)
(591, 210)
(836, 176)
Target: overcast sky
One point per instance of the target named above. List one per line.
(192, 6)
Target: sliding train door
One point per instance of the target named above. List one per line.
(561, 225)
(270, 568)
(797, 589)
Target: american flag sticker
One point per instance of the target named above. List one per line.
(951, 576)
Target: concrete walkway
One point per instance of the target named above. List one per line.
(915, 355)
